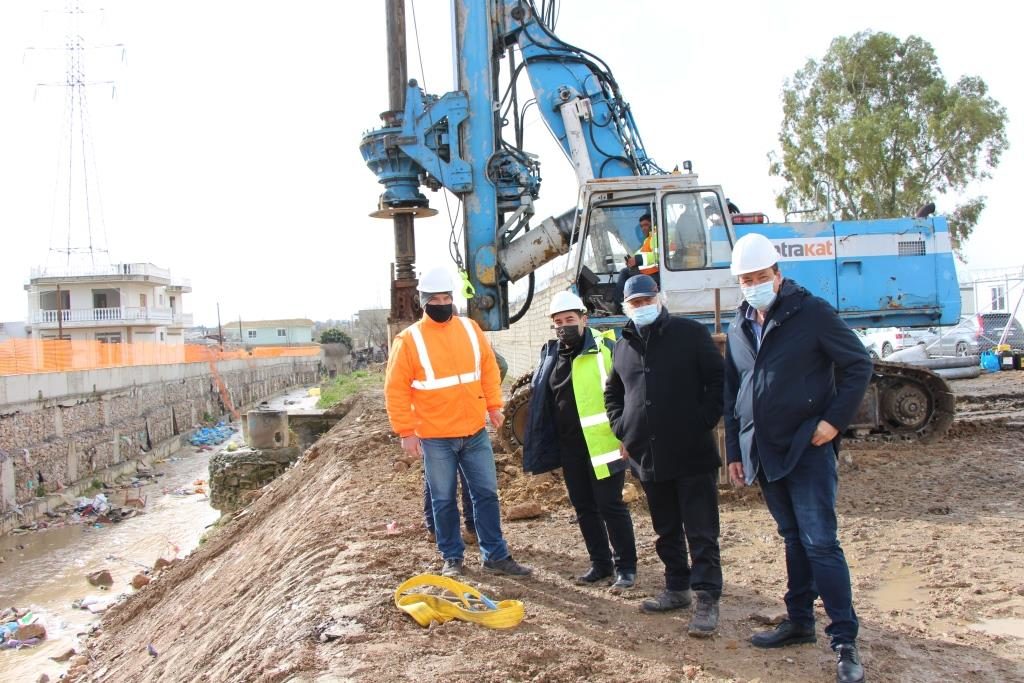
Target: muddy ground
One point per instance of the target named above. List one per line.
(934, 535)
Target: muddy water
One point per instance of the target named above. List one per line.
(45, 570)
(900, 590)
(294, 400)
(1002, 627)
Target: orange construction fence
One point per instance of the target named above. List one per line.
(29, 356)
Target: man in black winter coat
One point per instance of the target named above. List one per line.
(795, 375)
(664, 398)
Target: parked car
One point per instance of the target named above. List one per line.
(882, 341)
(976, 333)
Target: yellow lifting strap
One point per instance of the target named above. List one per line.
(469, 604)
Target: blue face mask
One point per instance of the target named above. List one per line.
(643, 315)
(760, 296)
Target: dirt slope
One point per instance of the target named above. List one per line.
(935, 537)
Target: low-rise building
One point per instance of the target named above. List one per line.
(14, 329)
(284, 332)
(124, 302)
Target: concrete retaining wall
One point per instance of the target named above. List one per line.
(66, 427)
(235, 474)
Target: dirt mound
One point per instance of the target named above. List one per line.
(299, 586)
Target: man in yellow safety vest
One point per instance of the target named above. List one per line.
(568, 428)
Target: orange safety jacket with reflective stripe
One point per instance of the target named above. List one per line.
(647, 257)
(442, 379)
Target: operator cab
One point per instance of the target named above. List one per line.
(694, 238)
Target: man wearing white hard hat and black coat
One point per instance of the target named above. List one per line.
(795, 375)
(567, 427)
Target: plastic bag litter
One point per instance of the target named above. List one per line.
(208, 436)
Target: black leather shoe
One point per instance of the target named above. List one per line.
(786, 633)
(848, 666)
(624, 581)
(593, 575)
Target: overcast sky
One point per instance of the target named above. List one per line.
(230, 151)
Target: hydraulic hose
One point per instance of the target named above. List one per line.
(526, 304)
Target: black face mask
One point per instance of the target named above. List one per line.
(439, 313)
(569, 335)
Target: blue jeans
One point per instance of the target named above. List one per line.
(473, 455)
(467, 504)
(803, 504)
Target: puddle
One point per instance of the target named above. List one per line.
(900, 590)
(296, 400)
(1001, 627)
(45, 570)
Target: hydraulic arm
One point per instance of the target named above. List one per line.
(455, 141)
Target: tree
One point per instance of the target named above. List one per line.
(335, 336)
(876, 129)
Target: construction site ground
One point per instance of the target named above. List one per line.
(298, 586)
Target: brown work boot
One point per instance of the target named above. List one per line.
(469, 535)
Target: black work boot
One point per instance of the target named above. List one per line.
(667, 600)
(594, 574)
(786, 633)
(508, 567)
(624, 581)
(704, 621)
(848, 666)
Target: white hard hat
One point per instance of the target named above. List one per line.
(436, 280)
(753, 252)
(566, 301)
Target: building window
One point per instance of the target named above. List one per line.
(251, 334)
(161, 336)
(142, 300)
(281, 332)
(999, 298)
(48, 300)
(108, 337)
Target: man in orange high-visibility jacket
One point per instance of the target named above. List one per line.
(644, 262)
(442, 383)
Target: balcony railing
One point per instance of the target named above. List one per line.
(183, 319)
(91, 316)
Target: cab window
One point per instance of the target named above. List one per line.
(695, 234)
(613, 233)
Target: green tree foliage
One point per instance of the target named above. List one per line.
(335, 336)
(877, 129)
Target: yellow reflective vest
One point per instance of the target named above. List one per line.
(590, 371)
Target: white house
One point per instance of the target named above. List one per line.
(124, 302)
(992, 290)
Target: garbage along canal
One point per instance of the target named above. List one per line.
(45, 571)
